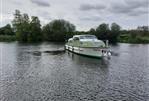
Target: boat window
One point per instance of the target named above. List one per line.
(76, 39)
(70, 41)
(88, 37)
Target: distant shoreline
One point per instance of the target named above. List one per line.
(126, 38)
(141, 40)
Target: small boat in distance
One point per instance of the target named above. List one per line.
(88, 45)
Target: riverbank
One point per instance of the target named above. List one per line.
(7, 38)
(126, 38)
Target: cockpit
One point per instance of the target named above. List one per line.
(88, 37)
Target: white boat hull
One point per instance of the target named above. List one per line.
(88, 51)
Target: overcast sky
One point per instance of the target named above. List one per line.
(85, 14)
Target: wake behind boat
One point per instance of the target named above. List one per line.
(88, 45)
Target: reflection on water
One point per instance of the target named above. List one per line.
(91, 62)
(29, 72)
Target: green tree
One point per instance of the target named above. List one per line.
(92, 31)
(47, 34)
(144, 30)
(115, 31)
(58, 30)
(25, 27)
(1, 31)
(26, 30)
(35, 30)
(6, 30)
(21, 26)
(102, 31)
(17, 21)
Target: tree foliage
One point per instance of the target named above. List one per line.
(35, 27)
(6, 30)
(26, 30)
(58, 30)
(102, 31)
(115, 31)
(92, 31)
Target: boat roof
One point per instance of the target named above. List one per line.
(83, 35)
(70, 39)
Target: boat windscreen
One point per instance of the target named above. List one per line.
(88, 37)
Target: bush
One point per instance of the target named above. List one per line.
(7, 38)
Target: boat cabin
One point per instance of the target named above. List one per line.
(87, 45)
(81, 37)
(85, 41)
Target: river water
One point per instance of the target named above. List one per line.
(27, 73)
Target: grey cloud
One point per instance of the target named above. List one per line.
(86, 7)
(116, 8)
(18, 3)
(89, 13)
(43, 3)
(91, 18)
(45, 15)
(137, 3)
(130, 7)
(138, 13)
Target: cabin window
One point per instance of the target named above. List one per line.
(88, 37)
(70, 41)
(76, 39)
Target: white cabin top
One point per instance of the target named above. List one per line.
(85, 36)
(89, 40)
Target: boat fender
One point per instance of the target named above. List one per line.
(105, 54)
(109, 53)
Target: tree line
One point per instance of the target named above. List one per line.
(29, 29)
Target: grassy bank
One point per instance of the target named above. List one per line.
(7, 38)
(123, 38)
(126, 38)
